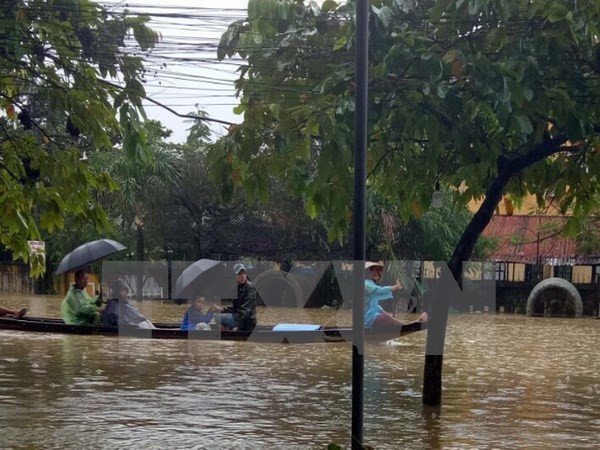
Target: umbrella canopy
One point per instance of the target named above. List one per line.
(205, 276)
(88, 253)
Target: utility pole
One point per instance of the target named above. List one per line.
(538, 260)
(359, 220)
(169, 272)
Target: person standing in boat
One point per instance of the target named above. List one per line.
(198, 315)
(242, 314)
(78, 308)
(120, 312)
(375, 316)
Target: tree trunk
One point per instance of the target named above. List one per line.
(434, 358)
(432, 383)
(507, 166)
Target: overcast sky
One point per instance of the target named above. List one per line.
(183, 68)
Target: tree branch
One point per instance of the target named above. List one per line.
(549, 146)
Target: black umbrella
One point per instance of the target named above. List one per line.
(88, 253)
(207, 277)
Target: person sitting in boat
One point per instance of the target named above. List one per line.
(375, 316)
(242, 314)
(198, 316)
(78, 308)
(15, 313)
(120, 312)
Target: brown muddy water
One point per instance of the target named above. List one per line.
(510, 382)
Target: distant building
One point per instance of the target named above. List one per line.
(530, 247)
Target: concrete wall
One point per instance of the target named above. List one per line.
(514, 298)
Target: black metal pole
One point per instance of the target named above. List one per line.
(359, 219)
(169, 272)
(538, 260)
(140, 262)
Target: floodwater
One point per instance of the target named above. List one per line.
(510, 382)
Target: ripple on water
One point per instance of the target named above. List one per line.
(509, 382)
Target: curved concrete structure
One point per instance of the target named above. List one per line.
(275, 280)
(555, 283)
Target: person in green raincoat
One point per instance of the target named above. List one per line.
(78, 308)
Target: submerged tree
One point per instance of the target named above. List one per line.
(485, 97)
(69, 80)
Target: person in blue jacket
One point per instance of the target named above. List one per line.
(375, 316)
(198, 316)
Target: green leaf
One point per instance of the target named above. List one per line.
(341, 42)
(311, 208)
(524, 124)
(329, 5)
(556, 12)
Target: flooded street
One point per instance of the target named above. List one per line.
(509, 382)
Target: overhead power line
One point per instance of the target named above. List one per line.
(188, 116)
(187, 52)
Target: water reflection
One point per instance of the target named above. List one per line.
(509, 382)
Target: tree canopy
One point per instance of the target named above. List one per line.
(70, 81)
(472, 94)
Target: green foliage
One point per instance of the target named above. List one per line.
(180, 209)
(432, 236)
(56, 100)
(470, 94)
(143, 183)
(588, 234)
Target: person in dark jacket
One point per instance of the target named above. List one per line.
(198, 315)
(242, 314)
(119, 312)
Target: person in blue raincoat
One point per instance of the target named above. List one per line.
(375, 316)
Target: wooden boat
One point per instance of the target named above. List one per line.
(261, 333)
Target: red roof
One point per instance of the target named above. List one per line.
(525, 238)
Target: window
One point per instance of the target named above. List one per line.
(501, 271)
(565, 272)
(532, 272)
(516, 272)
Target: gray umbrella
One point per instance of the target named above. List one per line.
(205, 276)
(88, 253)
